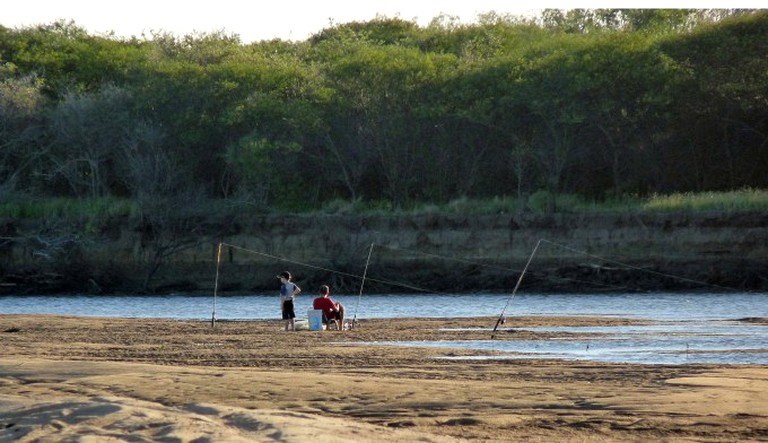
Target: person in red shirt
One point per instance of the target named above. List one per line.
(331, 310)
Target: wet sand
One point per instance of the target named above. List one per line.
(105, 379)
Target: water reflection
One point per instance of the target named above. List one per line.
(663, 343)
(757, 358)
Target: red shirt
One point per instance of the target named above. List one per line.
(326, 304)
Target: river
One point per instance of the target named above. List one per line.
(655, 306)
(686, 328)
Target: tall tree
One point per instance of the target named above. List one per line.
(21, 122)
(89, 129)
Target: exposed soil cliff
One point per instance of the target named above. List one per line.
(438, 253)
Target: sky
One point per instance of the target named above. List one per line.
(283, 19)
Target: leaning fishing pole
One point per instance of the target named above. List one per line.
(216, 286)
(362, 284)
(501, 320)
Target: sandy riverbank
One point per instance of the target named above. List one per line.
(96, 379)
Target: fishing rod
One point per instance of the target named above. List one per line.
(362, 283)
(216, 286)
(501, 319)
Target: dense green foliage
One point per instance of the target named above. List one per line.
(596, 104)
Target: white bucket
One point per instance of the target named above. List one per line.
(315, 317)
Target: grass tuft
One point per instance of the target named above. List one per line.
(67, 208)
(745, 200)
(733, 201)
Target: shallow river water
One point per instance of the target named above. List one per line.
(687, 328)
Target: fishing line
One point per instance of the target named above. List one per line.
(347, 274)
(334, 271)
(393, 283)
(586, 254)
(637, 268)
(294, 262)
(499, 267)
(443, 257)
(501, 319)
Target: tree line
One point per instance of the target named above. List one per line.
(595, 103)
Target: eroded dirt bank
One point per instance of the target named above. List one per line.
(574, 252)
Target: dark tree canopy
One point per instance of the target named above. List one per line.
(594, 103)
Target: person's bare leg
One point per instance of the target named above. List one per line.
(341, 317)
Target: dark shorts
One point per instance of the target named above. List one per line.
(335, 315)
(331, 316)
(288, 313)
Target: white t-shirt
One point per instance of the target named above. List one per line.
(286, 291)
